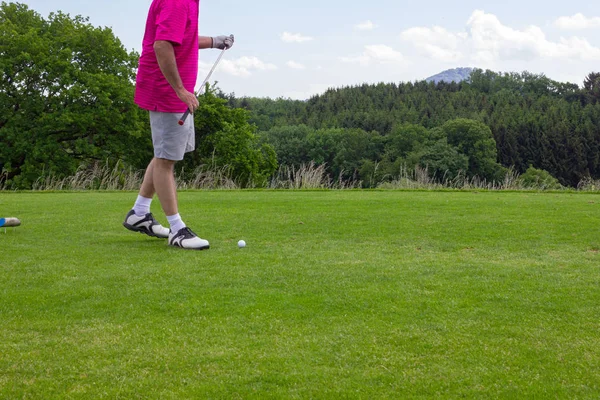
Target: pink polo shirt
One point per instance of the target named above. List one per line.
(175, 21)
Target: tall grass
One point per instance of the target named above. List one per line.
(118, 177)
(98, 176)
(3, 178)
(208, 177)
(103, 176)
(589, 185)
(419, 178)
(308, 176)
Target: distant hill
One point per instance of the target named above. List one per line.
(452, 75)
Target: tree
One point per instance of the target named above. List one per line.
(405, 139)
(225, 139)
(66, 96)
(290, 144)
(354, 147)
(443, 161)
(591, 86)
(474, 139)
(538, 179)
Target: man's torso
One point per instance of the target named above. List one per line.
(175, 21)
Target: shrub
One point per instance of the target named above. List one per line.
(535, 178)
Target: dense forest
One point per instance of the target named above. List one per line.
(531, 120)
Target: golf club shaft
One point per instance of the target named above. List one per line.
(187, 112)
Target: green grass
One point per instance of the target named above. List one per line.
(339, 294)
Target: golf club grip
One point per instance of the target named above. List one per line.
(184, 117)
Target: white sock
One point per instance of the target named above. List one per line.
(142, 206)
(176, 223)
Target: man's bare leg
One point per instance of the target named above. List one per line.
(162, 173)
(147, 189)
(164, 183)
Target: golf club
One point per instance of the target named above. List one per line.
(187, 112)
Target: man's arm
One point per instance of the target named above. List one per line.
(165, 55)
(205, 42)
(217, 42)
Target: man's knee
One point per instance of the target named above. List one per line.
(164, 163)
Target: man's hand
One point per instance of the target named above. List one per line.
(189, 99)
(222, 42)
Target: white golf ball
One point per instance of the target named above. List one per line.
(241, 244)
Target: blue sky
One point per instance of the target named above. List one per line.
(298, 49)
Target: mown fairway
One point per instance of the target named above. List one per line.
(339, 294)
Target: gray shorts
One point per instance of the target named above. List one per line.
(171, 140)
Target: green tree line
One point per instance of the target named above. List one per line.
(533, 120)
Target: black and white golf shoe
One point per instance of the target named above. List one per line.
(146, 224)
(186, 239)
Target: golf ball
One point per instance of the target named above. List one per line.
(241, 244)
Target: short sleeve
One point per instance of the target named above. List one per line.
(171, 21)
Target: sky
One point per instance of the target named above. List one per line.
(299, 49)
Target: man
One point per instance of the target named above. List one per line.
(164, 86)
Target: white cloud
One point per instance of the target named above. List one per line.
(295, 38)
(577, 22)
(492, 40)
(488, 40)
(244, 66)
(362, 60)
(295, 65)
(365, 26)
(378, 53)
(436, 42)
